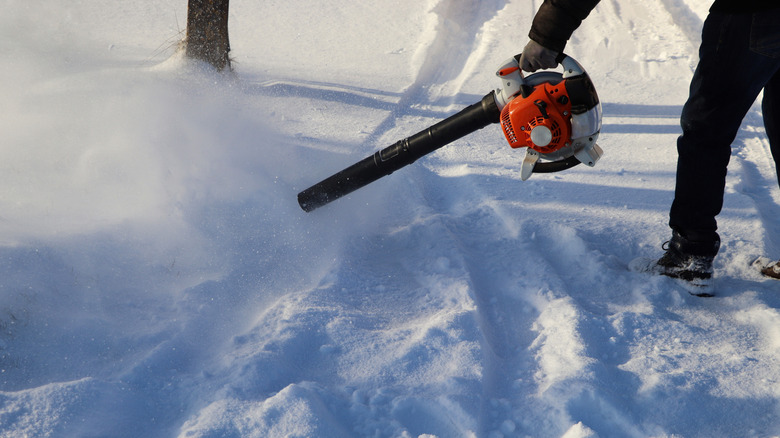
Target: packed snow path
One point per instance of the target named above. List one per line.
(159, 279)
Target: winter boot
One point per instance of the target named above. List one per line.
(685, 260)
(772, 270)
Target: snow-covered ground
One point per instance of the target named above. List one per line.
(158, 279)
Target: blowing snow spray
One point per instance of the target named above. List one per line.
(556, 116)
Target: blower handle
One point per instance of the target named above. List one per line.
(525, 89)
(400, 154)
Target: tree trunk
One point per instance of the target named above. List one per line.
(207, 32)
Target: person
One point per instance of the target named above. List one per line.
(739, 57)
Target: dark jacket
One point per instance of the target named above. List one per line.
(556, 20)
(743, 6)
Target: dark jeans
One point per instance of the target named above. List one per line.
(739, 56)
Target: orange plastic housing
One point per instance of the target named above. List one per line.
(549, 106)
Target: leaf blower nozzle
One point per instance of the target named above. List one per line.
(556, 116)
(401, 154)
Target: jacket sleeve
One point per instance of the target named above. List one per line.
(556, 20)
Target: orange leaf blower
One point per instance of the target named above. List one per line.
(556, 116)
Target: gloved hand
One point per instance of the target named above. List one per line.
(536, 57)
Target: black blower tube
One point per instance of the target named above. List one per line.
(402, 153)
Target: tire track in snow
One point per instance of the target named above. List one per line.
(504, 318)
(486, 248)
(446, 58)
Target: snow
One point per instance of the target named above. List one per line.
(158, 278)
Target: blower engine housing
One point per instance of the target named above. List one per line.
(541, 121)
(556, 116)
